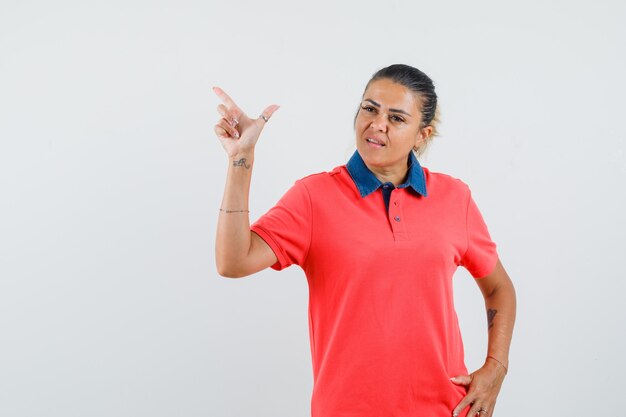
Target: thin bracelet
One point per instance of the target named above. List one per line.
(235, 211)
(506, 371)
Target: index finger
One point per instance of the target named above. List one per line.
(225, 98)
(467, 400)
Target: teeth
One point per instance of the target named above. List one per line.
(374, 141)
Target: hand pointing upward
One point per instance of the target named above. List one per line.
(237, 132)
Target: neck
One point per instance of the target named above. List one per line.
(390, 175)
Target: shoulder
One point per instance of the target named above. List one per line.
(442, 178)
(324, 179)
(444, 182)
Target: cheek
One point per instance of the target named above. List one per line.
(361, 122)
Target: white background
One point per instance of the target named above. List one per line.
(111, 178)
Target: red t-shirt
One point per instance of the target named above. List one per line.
(384, 334)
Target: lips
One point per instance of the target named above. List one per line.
(375, 141)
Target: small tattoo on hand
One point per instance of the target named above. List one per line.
(241, 163)
(491, 314)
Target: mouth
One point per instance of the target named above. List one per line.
(375, 142)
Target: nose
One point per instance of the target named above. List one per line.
(380, 122)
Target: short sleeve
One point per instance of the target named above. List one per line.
(481, 255)
(286, 227)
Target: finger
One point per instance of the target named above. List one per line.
(220, 132)
(270, 110)
(228, 115)
(267, 113)
(477, 410)
(232, 132)
(225, 98)
(462, 379)
(467, 400)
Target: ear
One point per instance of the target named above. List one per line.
(423, 134)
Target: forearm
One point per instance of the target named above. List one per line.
(483, 385)
(233, 227)
(501, 308)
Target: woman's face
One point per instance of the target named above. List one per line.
(388, 125)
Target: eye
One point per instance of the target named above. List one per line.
(397, 119)
(368, 108)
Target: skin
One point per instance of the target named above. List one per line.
(239, 252)
(392, 114)
(483, 385)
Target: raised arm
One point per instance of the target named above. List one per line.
(238, 251)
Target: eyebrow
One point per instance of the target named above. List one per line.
(391, 110)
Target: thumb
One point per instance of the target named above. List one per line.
(462, 379)
(267, 113)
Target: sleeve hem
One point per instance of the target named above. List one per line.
(281, 263)
(491, 266)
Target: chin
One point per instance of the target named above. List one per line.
(373, 160)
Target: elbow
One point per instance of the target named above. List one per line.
(228, 271)
(232, 265)
(224, 264)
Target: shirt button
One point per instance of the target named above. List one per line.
(397, 218)
(395, 203)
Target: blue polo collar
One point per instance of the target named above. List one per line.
(366, 182)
